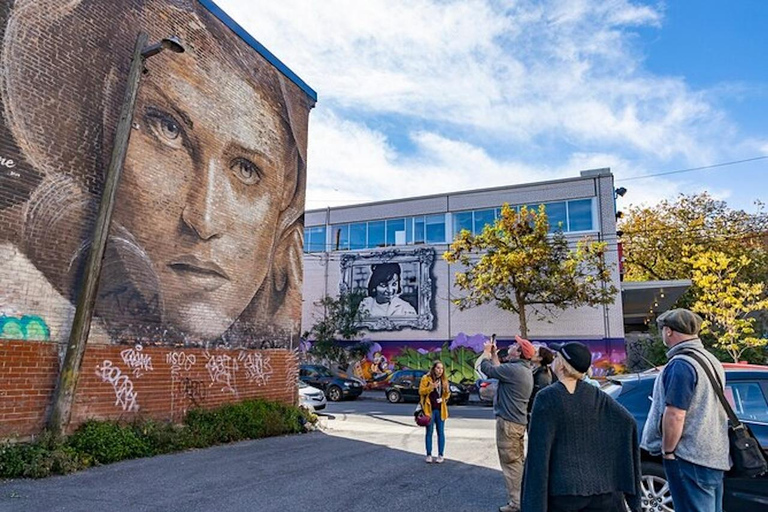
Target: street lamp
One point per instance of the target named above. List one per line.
(86, 296)
(621, 191)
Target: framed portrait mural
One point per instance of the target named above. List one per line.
(396, 286)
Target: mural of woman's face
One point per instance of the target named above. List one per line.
(387, 290)
(220, 146)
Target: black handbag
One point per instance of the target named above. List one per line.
(746, 453)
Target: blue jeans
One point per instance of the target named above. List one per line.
(437, 421)
(694, 488)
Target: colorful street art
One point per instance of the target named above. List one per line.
(458, 357)
(27, 328)
(205, 244)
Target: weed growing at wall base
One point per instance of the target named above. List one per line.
(103, 442)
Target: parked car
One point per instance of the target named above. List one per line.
(311, 397)
(746, 388)
(335, 388)
(486, 390)
(403, 386)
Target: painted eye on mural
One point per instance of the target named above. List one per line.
(245, 170)
(165, 127)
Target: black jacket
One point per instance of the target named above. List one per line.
(582, 444)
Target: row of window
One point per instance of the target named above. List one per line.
(576, 215)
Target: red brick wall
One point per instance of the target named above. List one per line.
(126, 382)
(28, 373)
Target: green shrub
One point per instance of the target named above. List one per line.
(107, 441)
(103, 442)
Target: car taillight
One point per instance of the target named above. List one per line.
(485, 384)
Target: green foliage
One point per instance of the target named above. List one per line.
(104, 442)
(659, 241)
(726, 301)
(342, 319)
(519, 266)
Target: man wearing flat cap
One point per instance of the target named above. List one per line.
(515, 375)
(687, 425)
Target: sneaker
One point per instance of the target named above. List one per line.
(509, 508)
(429, 459)
(440, 459)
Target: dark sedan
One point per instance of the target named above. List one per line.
(336, 388)
(403, 386)
(746, 389)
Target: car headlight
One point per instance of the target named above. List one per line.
(347, 384)
(454, 389)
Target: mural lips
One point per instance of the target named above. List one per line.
(198, 273)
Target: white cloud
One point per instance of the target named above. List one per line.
(494, 91)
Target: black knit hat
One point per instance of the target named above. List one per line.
(681, 320)
(577, 354)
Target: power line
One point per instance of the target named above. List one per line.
(680, 171)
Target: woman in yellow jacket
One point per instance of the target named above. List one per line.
(434, 392)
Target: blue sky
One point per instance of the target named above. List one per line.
(426, 96)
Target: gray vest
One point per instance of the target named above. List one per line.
(705, 432)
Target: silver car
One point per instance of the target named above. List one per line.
(311, 397)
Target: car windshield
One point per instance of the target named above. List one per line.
(303, 385)
(322, 371)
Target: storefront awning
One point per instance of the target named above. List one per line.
(644, 300)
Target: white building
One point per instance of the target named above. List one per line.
(343, 245)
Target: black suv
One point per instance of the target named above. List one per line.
(746, 388)
(403, 386)
(336, 388)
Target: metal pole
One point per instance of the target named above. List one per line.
(86, 298)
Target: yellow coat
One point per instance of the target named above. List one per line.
(426, 405)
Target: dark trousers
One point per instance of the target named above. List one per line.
(610, 502)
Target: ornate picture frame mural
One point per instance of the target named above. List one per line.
(397, 286)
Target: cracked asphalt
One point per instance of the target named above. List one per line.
(369, 456)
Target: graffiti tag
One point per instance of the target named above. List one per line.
(257, 367)
(180, 361)
(125, 396)
(26, 328)
(7, 162)
(221, 368)
(137, 361)
(192, 390)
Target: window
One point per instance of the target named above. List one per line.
(557, 215)
(393, 227)
(376, 234)
(747, 400)
(340, 237)
(435, 225)
(580, 215)
(314, 239)
(418, 230)
(483, 218)
(358, 236)
(461, 221)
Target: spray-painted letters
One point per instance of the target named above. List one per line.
(137, 361)
(125, 396)
(221, 368)
(257, 367)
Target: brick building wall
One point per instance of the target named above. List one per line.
(205, 249)
(124, 382)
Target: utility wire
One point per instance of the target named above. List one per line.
(680, 171)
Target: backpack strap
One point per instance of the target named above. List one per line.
(715, 384)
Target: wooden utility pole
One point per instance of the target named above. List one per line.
(86, 298)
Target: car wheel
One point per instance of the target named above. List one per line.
(334, 393)
(394, 396)
(655, 489)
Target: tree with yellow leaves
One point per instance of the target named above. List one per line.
(726, 300)
(518, 265)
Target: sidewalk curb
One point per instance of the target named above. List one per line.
(372, 396)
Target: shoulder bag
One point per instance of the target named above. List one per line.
(746, 453)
